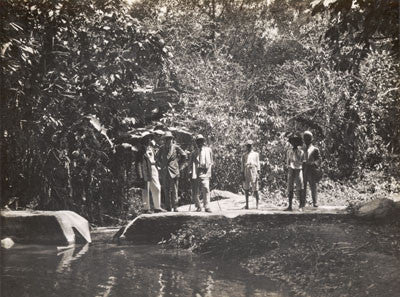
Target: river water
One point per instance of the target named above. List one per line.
(103, 269)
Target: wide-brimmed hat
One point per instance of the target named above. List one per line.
(199, 137)
(308, 133)
(168, 134)
(249, 142)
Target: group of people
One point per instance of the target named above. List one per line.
(303, 163)
(168, 162)
(162, 171)
(303, 168)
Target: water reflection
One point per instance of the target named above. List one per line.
(106, 270)
(107, 287)
(68, 256)
(65, 260)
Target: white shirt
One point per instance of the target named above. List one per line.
(251, 158)
(202, 159)
(150, 155)
(295, 158)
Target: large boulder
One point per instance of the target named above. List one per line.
(45, 227)
(153, 228)
(379, 209)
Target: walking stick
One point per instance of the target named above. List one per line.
(257, 187)
(191, 200)
(191, 195)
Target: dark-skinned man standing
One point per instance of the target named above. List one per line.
(311, 171)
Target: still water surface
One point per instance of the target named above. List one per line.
(104, 269)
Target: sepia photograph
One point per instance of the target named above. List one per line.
(200, 148)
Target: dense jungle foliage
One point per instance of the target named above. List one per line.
(82, 80)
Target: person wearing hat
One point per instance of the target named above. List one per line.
(294, 163)
(311, 171)
(148, 172)
(250, 168)
(168, 158)
(201, 162)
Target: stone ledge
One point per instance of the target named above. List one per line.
(45, 227)
(379, 210)
(153, 228)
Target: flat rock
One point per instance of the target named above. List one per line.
(153, 228)
(379, 209)
(45, 227)
(230, 202)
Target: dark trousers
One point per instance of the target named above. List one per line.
(170, 189)
(309, 178)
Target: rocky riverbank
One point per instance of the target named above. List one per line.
(354, 255)
(44, 227)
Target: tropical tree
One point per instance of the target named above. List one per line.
(80, 75)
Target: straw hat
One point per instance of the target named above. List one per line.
(200, 137)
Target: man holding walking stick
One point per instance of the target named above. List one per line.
(201, 162)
